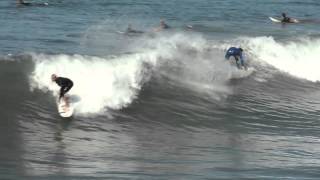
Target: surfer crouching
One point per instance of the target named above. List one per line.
(65, 84)
(237, 54)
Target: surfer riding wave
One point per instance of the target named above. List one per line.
(65, 84)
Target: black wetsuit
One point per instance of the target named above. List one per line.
(65, 84)
(286, 19)
(165, 26)
(25, 4)
(21, 2)
(129, 30)
(32, 4)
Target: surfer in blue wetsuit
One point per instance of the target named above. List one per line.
(65, 84)
(237, 54)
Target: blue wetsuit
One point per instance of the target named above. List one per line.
(236, 53)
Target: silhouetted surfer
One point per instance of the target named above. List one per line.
(286, 19)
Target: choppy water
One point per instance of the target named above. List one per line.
(162, 105)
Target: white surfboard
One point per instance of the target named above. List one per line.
(275, 20)
(121, 32)
(292, 20)
(189, 26)
(65, 108)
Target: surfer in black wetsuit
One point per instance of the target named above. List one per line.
(286, 19)
(65, 84)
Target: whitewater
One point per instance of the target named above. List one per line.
(160, 105)
(114, 82)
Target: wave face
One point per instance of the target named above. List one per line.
(189, 61)
(114, 82)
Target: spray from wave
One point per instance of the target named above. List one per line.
(189, 59)
(298, 58)
(99, 83)
(114, 82)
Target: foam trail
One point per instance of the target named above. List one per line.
(99, 83)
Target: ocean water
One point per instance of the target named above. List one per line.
(160, 105)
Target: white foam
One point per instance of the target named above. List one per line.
(189, 60)
(99, 83)
(103, 83)
(297, 58)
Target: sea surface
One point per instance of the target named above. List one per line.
(160, 104)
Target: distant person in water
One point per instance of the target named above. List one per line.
(286, 19)
(130, 30)
(21, 2)
(65, 84)
(237, 54)
(162, 26)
